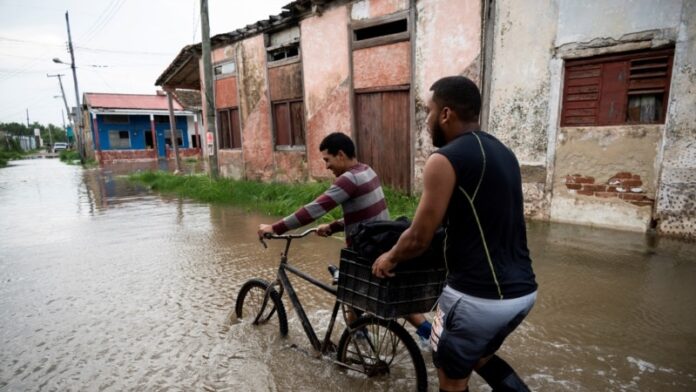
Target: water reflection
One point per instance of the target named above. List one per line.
(105, 286)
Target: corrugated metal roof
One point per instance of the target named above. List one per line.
(129, 101)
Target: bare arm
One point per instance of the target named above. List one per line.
(439, 180)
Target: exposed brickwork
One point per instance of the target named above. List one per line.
(115, 156)
(623, 185)
(110, 156)
(184, 153)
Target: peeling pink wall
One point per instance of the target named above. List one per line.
(290, 166)
(386, 7)
(326, 71)
(223, 53)
(257, 142)
(448, 42)
(376, 8)
(231, 163)
(226, 92)
(384, 65)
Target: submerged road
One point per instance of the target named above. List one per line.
(105, 286)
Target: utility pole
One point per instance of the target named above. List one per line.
(28, 125)
(62, 93)
(78, 109)
(208, 96)
(172, 129)
(62, 115)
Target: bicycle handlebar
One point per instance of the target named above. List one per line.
(270, 236)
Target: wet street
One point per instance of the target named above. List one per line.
(105, 286)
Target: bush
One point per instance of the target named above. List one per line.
(69, 156)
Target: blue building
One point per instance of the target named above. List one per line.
(135, 127)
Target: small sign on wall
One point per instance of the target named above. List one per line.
(210, 142)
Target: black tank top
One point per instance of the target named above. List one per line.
(486, 241)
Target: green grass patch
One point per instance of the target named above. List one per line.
(279, 199)
(69, 156)
(9, 155)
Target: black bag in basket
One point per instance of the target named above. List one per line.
(371, 239)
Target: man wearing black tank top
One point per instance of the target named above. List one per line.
(472, 185)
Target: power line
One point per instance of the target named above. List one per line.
(195, 20)
(21, 57)
(98, 20)
(124, 51)
(25, 68)
(30, 42)
(133, 52)
(103, 80)
(106, 21)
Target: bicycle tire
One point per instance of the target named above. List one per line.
(371, 345)
(250, 300)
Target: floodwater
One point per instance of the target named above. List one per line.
(105, 286)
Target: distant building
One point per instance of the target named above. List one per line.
(135, 127)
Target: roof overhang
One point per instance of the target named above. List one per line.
(183, 72)
(141, 112)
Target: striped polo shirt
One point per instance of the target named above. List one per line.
(358, 191)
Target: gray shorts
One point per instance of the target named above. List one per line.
(468, 328)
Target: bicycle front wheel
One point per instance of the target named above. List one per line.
(250, 304)
(384, 350)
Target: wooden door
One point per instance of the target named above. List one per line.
(383, 135)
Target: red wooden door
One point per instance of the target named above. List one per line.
(383, 135)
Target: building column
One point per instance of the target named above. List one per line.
(97, 145)
(154, 136)
(198, 139)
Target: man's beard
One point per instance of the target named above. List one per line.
(438, 136)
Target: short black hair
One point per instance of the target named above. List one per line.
(338, 141)
(460, 94)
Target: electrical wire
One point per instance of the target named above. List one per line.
(195, 20)
(24, 41)
(103, 20)
(124, 51)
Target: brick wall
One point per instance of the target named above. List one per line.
(109, 156)
(623, 185)
(184, 153)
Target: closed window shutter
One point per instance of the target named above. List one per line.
(281, 116)
(612, 103)
(631, 88)
(224, 128)
(581, 97)
(297, 121)
(236, 136)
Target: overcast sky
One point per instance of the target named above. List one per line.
(130, 41)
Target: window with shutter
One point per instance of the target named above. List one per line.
(229, 129)
(617, 89)
(288, 119)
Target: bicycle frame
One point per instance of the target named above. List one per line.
(284, 281)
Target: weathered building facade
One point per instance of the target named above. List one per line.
(359, 67)
(596, 99)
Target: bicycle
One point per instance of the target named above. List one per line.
(369, 345)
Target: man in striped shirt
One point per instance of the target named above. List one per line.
(357, 190)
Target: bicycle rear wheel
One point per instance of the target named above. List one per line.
(382, 348)
(250, 304)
